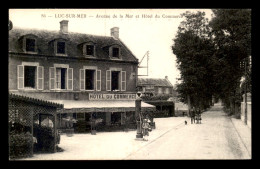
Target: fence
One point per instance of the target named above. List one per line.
(28, 119)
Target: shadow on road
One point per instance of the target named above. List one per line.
(217, 107)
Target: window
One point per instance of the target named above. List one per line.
(115, 52)
(90, 50)
(61, 48)
(29, 76)
(115, 80)
(159, 90)
(167, 91)
(61, 78)
(30, 45)
(89, 79)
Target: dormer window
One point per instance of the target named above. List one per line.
(61, 48)
(115, 52)
(89, 49)
(30, 45)
(58, 46)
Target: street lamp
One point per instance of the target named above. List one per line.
(138, 118)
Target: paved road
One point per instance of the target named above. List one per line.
(215, 138)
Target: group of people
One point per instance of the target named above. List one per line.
(195, 115)
(146, 126)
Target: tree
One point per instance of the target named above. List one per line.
(193, 48)
(231, 32)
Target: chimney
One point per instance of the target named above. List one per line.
(64, 26)
(115, 32)
(166, 77)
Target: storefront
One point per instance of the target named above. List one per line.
(106, 110)
(163, 108)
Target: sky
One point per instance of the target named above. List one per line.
(141, 30)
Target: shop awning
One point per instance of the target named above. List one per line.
(77, 106)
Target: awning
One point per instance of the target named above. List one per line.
(77, 106)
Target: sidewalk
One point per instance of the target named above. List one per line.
(244, 133)
(108, 145)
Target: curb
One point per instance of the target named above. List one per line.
(242, 135)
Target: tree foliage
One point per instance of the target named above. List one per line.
(231, 30)
(193, 49)
(209, 55)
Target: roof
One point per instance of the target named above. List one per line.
(154, 81)
(74, 40)
(103, 105)
(34, 100)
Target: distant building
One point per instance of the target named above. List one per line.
(158, 92)
(155, 86)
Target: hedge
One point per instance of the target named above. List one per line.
(20, 145)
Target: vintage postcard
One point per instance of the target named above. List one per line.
(109, 84)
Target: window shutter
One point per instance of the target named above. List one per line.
(123, 81)
(82, 79)
(20, 77)
(108, 80)
(40, 75)
(98, 81)
(52, 78)
(70, 79)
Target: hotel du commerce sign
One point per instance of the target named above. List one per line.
(103, 96)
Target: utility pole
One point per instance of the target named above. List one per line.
(147, 65)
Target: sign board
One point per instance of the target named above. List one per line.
(100, 96)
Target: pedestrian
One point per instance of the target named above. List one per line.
(145, 127)
(199, 116)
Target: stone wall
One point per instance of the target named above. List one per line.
(249, 110)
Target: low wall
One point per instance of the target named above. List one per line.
(249, 113)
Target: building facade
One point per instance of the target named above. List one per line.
(155, 86)
(86, 73)
(158, 91)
